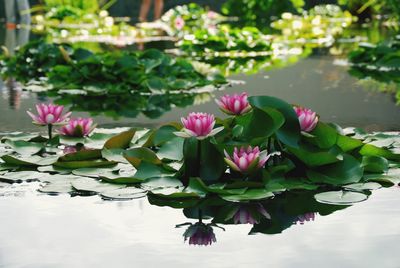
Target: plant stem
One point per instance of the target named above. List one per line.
(50, 130)
(198, 157)
(200, 216)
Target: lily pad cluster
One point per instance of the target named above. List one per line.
(318, 26)
(261, 151)
(185, 19)
(380, 63)
(109, 73)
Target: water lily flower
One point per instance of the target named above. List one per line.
(78, 127)
(246, 160)
(200, 234)
(310, 216)
(245, 215)
(212, 15)
(234, 104)
(49, 114)
(179, 23)
(307, 118)
(199, 125)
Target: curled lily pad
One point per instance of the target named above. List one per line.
(340, 197)
(120, 141)
(29, 161)
(124, 193)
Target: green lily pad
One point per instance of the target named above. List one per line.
(84, 164)
(34, 160)
(93, 186)
(21, 176)
(251, 194)
(115, 155)
(363, 186)
(340, 197)
(24, 147)
(124, 193)
(120, 141)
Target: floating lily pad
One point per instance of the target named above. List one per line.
(84, 164)
(173, 193)
(340, 197)
(115, 155)
(57, 188)
(24, 147)
(124, 193)
(162, 182)
(251, 194)
(29, 161)
(93, 186)
(53, 169)
(21, 176)
(363, 186)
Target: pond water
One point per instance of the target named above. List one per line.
(60, 231)
(315, 82)
(86, 231)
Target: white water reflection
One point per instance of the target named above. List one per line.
(60, 231)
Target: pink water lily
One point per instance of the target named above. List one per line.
(179, 23)
(234, 104)
(78, 127)
(212, 15)
(307, 118)
(246, 160)
(49, 114)
(200, 234)
(245, 215)
(199, 125)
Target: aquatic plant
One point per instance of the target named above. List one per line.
(78, 127)
(246, 160)
(316, 27)
(200, 234)
(234, 104)
(49, 115)
(150, 71)
(307, 118)
(379, 62)
(199, 125)
(259, 12)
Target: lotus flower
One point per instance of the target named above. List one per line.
(245, 215)
(78, 127)
(235, 104)
(179, 23)
(305, 217)
(49, 114)
(307, 118)
(199, 125)
(200, 234)
(246, 160)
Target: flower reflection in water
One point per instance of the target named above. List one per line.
(301, 219)
(200, 234)
(250, 214)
